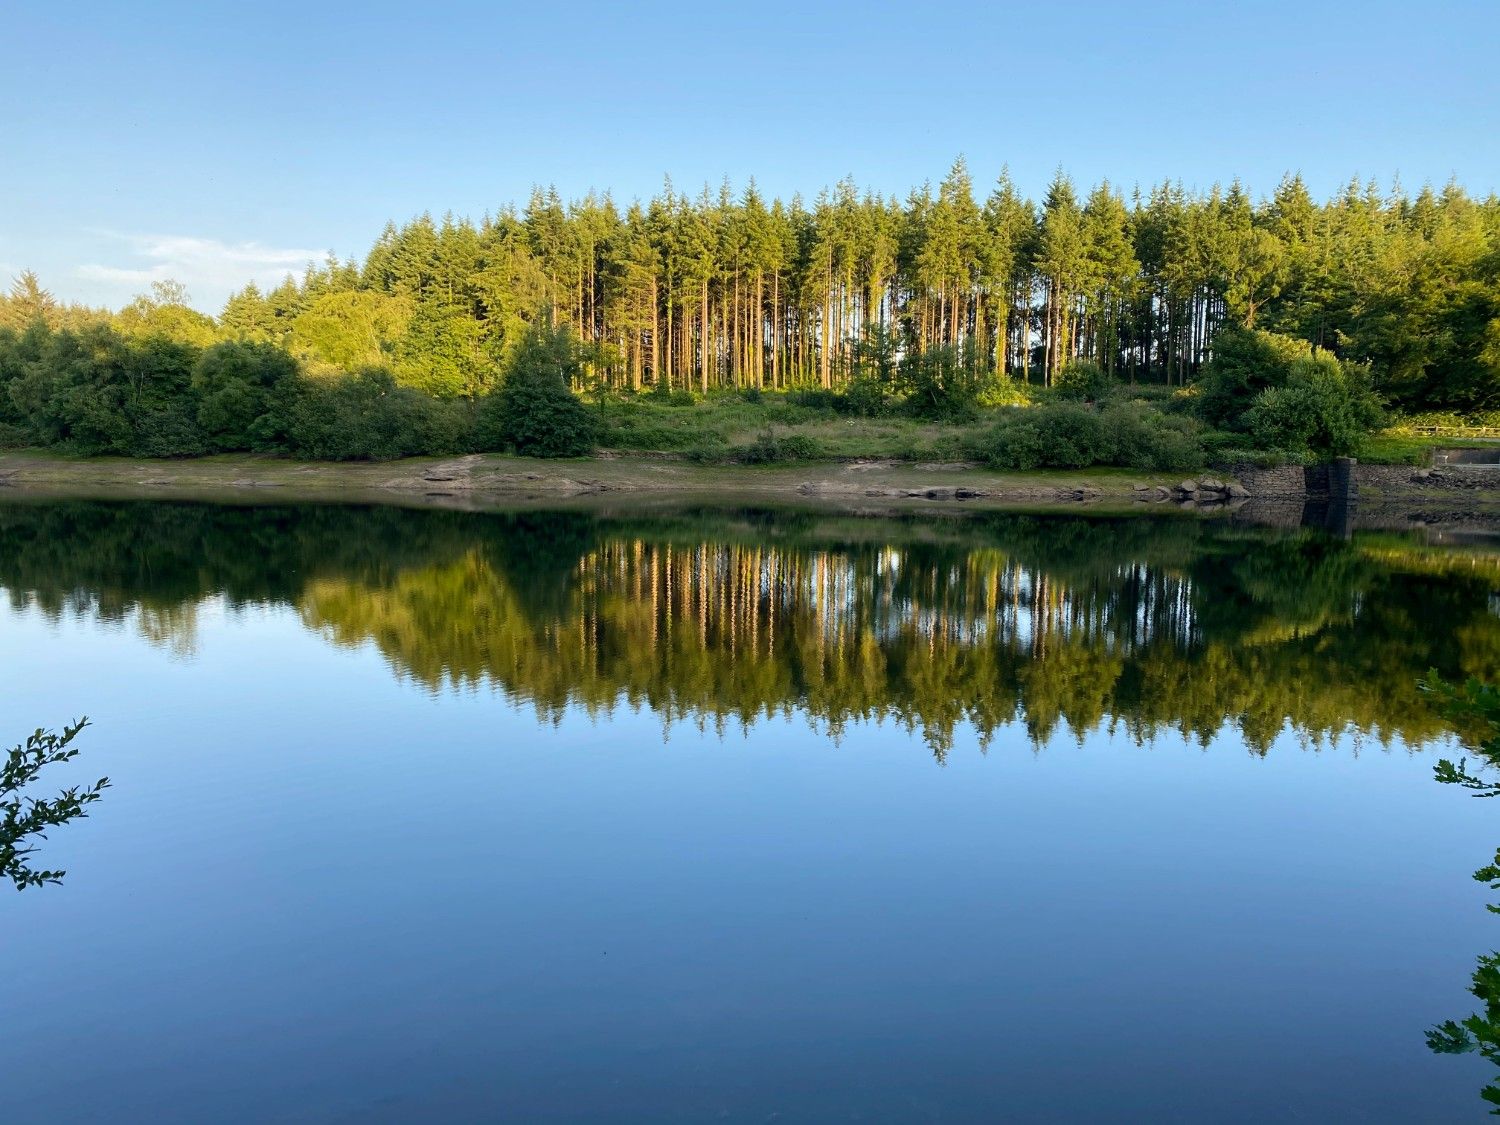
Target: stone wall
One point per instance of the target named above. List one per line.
(1355, 481)
(1384, 479)
(1490, 456)
(1289, 480)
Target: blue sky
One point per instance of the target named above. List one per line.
(219, 143)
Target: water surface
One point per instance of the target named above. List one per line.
(740, 816)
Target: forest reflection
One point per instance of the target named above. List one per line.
(1146, 625)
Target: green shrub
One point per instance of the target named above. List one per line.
(785, 414)
(159, 400)
(1082, 380)
(1158, 395)
(769, 448)
(1326, 407)
(876, 387)
(1245, 363)
(535, 417)
(1001, 390)
(534, 413)
(245, 393)
(1068, 435)
(707, 452)
(634, 433)
(444, 426)
(369, 417)
(1058, 435)
(867, 397)
(942, 384)
(1015, 444)
(97, 392)
(168, 429)
(815, 398)
(1072, 437)
(1138, 437)
(662, 392)
(944, 447)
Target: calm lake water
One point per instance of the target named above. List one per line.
(424, 815)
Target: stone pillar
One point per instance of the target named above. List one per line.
(1342, 483)
(1343, 495)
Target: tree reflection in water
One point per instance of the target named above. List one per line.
(1136, 624)
(1139, 624)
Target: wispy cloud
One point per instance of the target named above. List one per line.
(210, 269)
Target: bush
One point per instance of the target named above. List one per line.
(1082, 380)
(876, 387)
(707, 452)
(768, 448)
(368, 417)
(942, 384)
(535, 416)
(662, 392)
(159, 401)
(1054, 436)
(97, 392)
(1326, 407)
(867, 397)
(443, 426)
(1245, 363)
(645, 433)
(1067, 435)
(168, 429)
(1001, 390)
(815, 398)
(1158, 395)
(245, 393)
(534, 413)
(1141, 438)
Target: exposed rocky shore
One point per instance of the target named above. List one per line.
(1388, 495)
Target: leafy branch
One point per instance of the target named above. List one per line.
(1474, 707)
(24, 819)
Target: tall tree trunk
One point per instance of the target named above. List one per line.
(704, 326)
(776, 329)
(655, 334)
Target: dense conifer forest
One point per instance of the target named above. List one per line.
(1238, 316)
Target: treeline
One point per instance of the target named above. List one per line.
(724, 290)
(96, 390)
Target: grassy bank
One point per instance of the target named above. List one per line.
(728, 426)
(708, 428)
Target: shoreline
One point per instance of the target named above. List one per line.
(479, 481)
(504, 477)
